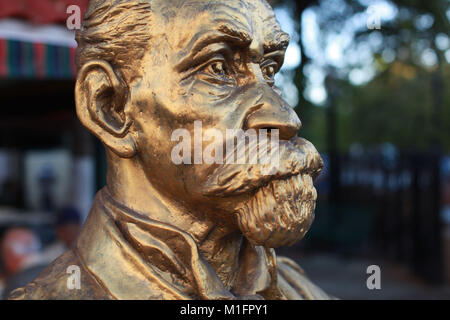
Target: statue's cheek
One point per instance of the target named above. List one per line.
(208, 91)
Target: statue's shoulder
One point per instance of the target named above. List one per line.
(58, 281)
(294, 283)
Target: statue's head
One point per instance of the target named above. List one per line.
(156, 76)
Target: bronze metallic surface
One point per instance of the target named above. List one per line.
(161, 230)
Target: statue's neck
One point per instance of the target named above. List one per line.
(220, 246)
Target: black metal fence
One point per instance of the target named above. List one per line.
(382, 203)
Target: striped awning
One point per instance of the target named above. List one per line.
(34, 39)
(22, 60)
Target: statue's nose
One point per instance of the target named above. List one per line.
(272, 112)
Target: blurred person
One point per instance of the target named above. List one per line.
(20, 250)
(67, 227)
(46, 179)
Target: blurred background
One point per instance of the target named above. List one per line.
(368, 78)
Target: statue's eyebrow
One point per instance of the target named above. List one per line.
(280, 42)
(225, 33)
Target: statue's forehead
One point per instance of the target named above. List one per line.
(184, 20)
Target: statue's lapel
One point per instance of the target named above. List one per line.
(134, 257)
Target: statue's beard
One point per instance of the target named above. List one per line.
(280, 208)
(280, 213)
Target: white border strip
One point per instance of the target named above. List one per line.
(14, 29)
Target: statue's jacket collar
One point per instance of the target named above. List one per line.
(134, 257)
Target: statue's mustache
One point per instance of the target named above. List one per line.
(296, 156)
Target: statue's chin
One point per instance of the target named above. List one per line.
(279, 213)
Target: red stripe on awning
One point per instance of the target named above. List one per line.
(39, 59)
(3, 55)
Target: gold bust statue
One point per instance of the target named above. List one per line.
(195, 229)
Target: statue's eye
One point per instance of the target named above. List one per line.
(269, 70)
(217, 68)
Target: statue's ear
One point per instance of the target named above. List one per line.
(101, 98)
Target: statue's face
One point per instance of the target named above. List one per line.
(215, 63)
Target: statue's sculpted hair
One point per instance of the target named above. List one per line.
(117, 31)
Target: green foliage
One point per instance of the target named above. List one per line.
(407, 102)
(391, 108)
(314, 124)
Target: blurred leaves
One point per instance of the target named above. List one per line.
(407, 101)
